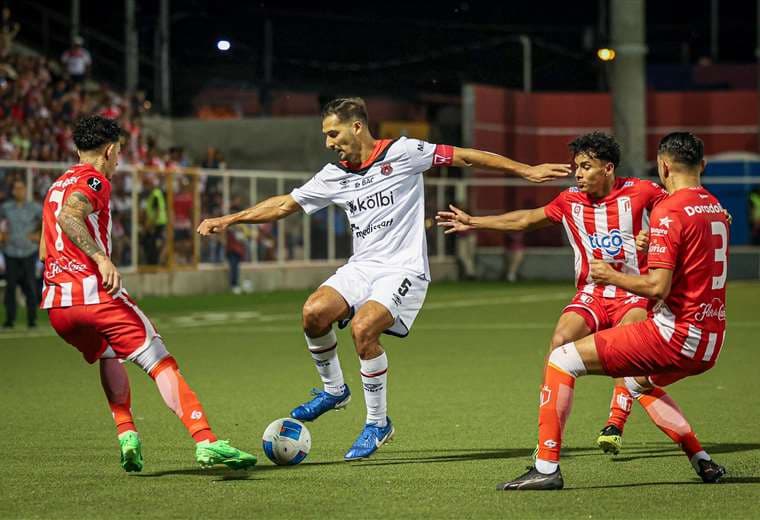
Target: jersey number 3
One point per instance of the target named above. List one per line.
(719, 228)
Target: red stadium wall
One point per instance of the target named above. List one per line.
(536, 128)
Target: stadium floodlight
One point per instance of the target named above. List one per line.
(606, 54)
(223, 45)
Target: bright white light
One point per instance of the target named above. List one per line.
(223, 45)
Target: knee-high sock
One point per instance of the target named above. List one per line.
(666, 415)
(563, 366)
(375, 380)
(324, 352)
(555, 403)
(113, 377)
(620, 407)
(181, 399)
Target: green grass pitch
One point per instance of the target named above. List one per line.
(463, 393)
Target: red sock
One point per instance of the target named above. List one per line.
(555, 404)
(113, 378)
(665, 413)
(122, 416)
(620, 407)
(181, 399)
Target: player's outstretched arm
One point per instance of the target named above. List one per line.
(456, 220)
(269, 210)
(654, 285)
(469, 157)
(75, 210)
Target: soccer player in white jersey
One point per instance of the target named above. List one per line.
(378, 183)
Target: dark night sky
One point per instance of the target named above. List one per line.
(404, 47)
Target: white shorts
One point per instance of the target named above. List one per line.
(398, 290)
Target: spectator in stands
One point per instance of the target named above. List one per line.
(23, 222)
(8, 32)
(754, 202)
(155, 222)
(236, 248)
(77, 60)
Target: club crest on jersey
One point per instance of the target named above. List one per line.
(611, 243)
(386, 168)
(94, 184)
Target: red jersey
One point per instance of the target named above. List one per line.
(689, 236)
(606, 229)
(71, 277)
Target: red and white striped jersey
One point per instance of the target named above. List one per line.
(71, 277)
(606, 229)
(689, 236)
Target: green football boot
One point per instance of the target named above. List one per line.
(610, 439)
(220, 452)
(131, 451)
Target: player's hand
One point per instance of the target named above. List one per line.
(728, 216)
(454, 221)
(642, 241)
(545, 172)
(109, 273)
(601, 271)
(211, 226)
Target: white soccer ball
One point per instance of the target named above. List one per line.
(286, 441)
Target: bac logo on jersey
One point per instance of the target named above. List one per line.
(94, 184)
(611, 243)
(386, 168)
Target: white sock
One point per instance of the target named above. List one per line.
(374, 378)
(546, 467)
(324, 352)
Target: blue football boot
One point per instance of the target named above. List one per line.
(369, 440)
(322, 402)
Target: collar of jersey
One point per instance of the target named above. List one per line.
(619, 183)
(378, 154)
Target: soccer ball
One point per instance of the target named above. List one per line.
(286, 441)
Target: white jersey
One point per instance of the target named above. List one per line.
(384, 200)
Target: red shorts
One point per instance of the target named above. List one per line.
(638, 349)
(603, 313)
(113, 329)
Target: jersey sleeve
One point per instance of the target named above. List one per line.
(665, 237)
(95, 188)
(654, 193)
(555, 210)
(424, 155)
(314, 195)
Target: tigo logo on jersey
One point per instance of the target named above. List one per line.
(376, 200)
(611, 243)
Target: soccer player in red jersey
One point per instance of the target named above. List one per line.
(602, 216)
(685, 330)
(89, 309)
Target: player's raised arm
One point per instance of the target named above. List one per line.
(469, 157)
(457, 220)
(269, 210)
(72, 220)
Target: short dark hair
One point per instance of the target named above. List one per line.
(597, 145)
(347, 109)
(92, 132)
(683, 147)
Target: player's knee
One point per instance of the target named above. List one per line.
(150, 357)
(558, 339)
(315, 320)
(363, 333)
(567, 358)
